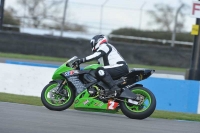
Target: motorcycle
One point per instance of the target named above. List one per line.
(80, 87)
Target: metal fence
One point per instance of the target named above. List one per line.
(100, 17)
(161, 41)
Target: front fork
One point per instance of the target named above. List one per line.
(60, 86)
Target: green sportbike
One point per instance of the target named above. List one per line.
(80, 87)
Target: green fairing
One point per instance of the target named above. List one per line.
(84, 102)
(93, 66)
(63, 68)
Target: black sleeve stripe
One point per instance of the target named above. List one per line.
(102, 53)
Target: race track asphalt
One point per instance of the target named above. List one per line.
(20, 118)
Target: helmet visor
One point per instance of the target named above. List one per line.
(92, 43)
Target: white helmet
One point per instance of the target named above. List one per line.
(96, 41)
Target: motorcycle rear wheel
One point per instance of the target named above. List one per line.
(54, 101)
(146, 107)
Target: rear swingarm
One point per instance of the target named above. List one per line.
(127, 93)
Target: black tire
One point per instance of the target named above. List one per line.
(143, 114)
(56, 107)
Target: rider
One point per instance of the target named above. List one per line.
(114, 66)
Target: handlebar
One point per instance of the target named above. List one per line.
(76, 66)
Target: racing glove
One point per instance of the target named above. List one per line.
(79, 61)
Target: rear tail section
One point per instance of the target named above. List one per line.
(138, 74)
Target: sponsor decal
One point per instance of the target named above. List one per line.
(141, 76)
(98, 104)
(76, 71)
(195, 9)
(87, 101)
(112, 105)
(71, 72)
(101, 72)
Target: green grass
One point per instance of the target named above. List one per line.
(176, 115)
(54, 59)
(5, 97)
(32, 57)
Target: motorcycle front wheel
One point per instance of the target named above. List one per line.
(57, 101)
(144, 109)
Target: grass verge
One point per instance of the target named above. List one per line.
(32, 57)
(5, 97)
(54, 59)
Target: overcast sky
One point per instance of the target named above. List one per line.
(116, 13)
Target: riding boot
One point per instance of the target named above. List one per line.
(107, 79)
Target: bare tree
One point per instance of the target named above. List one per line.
(72, 27)
(38, 11)
(164, 15)
(181, 19)
(46, 14)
